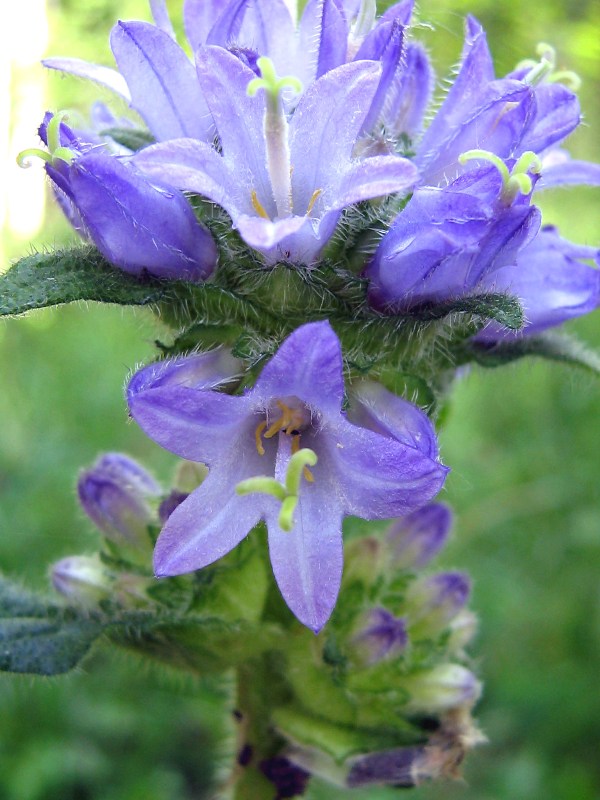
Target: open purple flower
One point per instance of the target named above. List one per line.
(284, 453)
(283, 184)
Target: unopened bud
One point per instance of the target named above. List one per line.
(441, 689)
(83, 580)
(433, 602)
(114, 493)
(380, 636)
(414, 540)
(461, 630)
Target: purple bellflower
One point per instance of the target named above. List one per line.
(283, 183)
(448, 241)
(285, 453)
(137, 224)
(413, 541)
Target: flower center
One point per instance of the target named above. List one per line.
(289, 417)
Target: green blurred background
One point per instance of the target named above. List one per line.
(523, 443)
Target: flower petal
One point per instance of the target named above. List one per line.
(161, 18)
(379, 476)
(163, 83)
(192, 423)
(195, 166)
(105, 76)
(326, 124)
(307, 561)
(373, 177)
(208, 524)
(199, 16)
(569, 173)
(307, 365)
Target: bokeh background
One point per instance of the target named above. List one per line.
(523, 443)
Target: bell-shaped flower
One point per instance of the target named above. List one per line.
(446, 241)
(139, 225)
(284, 184)
(527, 110)
(284, 452)
(552, 281)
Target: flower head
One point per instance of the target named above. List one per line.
(285, 453)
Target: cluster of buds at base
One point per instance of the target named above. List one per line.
(88, 583)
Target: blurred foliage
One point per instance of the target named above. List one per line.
(524, 448)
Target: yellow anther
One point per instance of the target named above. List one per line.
(257, 434)
(311, 203)
(258, 206)
(308, 475)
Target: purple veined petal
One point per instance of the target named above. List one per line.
(409, 94)
(137, 225)
(269, 29)
(557, 114)
(224, 81)
(201, 371)
(372, 177)
(476, 72)
(378, 476)
(161, 18)
(569, 173)
(332, 36)
(400, 12)
(211, 521)
(264, 235)
(105, 76)
(307, 365)
(163, 84)
(307, 561)
(228, 23)
(551, 282)
(326, 124)
(497, 124)
(196, 424)
(195, 166)
(373, 407)
(199, 17)
(390, 46)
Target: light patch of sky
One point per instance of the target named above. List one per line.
(23, 42)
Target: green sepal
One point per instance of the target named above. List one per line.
(65, 276)
(131, 138)
(502, 308)
(552, 346)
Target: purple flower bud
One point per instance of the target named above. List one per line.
(413, 541)
(114, 493)
(83, 580)
(433, 602)
(380, 636)
(440, 689)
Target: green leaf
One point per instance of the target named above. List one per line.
(552, 346)
(45, 646)
(80, 273)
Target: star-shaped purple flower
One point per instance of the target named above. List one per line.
(288, 431)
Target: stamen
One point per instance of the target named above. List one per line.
(258, 206)
(311, 203)
(257, 433)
